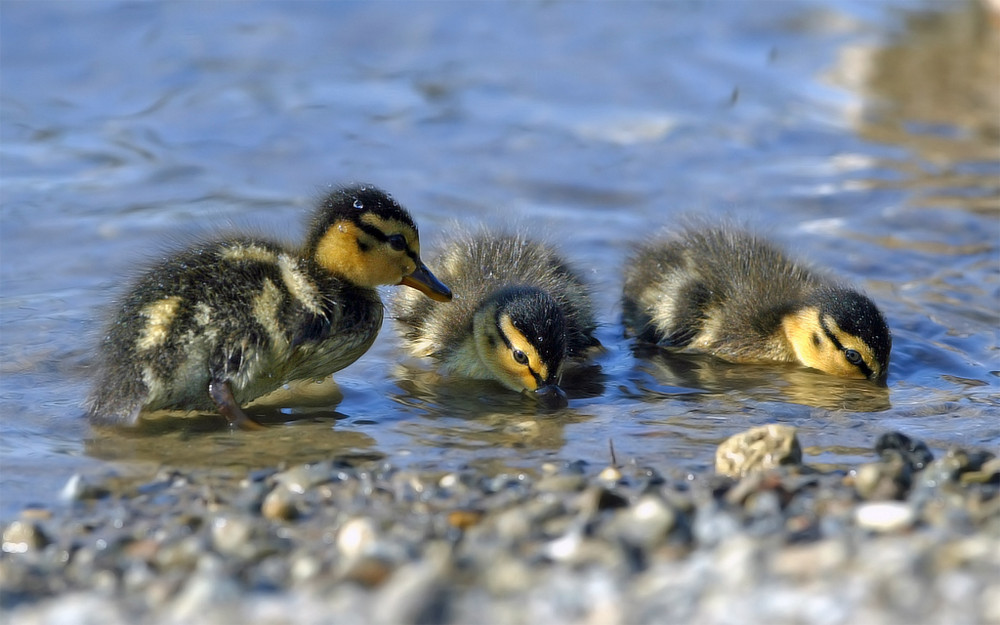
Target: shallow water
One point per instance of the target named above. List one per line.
(862, 136)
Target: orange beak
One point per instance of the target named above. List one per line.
(424, 281)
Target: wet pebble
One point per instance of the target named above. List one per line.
(758, 449)
(23, 536)
(914, 453)
(885, 516)
(356, 537)
(567, 542)
(888, 479)
(301, 478)
(279, 505)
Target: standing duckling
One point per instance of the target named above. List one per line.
(521, 312)
(731, 294)
(225, 322)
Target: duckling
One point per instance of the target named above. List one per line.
(222, 323)
(729, 293)
(521, 313)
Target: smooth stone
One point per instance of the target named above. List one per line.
(278, 505)
(758, 449)
(647, 523)
(889, 479)
(356, 537)
(303, 477)
(885, 516)
(77, 488)
(914, 452)
(231, 535)
(561, 483)
(23, 536)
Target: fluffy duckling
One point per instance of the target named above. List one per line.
(520, 314)
(225, 322)
(731, 294)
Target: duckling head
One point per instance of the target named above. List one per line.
(842, 332)
(360, 233)
(520, 336)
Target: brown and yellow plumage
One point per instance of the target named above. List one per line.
(729, 293)
(520, 312)
(222, 323)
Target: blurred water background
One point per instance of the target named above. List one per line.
(864, 136)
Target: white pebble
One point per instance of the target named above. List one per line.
(885, 516)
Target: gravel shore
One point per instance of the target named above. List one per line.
(905, 538)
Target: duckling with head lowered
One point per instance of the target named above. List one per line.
(227, 321)
(521, 313)
(729, 293)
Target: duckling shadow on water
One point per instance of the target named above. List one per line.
(458, 396)
(770, 382)
(202, 443)
(458, 412)
(301, 420)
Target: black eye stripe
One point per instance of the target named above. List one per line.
(377, 234)
(373, 232)
(830, 335)
(510, 346)
(861, 364)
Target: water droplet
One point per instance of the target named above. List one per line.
(358, 204)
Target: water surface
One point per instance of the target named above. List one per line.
(862, 136)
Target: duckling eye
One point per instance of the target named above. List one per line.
(520, 357)
(852, 356)
(397, 242)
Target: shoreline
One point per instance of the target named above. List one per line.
(904, 538)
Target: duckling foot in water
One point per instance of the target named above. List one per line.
(521, 314)
(225, 322)
(731, 294)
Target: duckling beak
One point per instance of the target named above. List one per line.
(427, 283)
(552, 396)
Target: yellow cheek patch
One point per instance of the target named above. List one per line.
(814, 348)
(849, 341)
(159, 317)
(338, 251)
(520, 342)
(346, 250)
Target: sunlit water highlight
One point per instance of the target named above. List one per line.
(862, 136)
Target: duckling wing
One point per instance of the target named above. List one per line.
(244, 312)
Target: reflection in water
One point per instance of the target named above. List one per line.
(203, 443)
(456, 412)
(934, 90)
(769, 382)
(904, 204)
(305, 433)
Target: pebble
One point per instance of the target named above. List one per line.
(464, 519)
(23, 536)
(913, 452)
(885, 516)
(79, 488)
(888, 479)
(301, 478)
(278, 505)
(568, 542)
(758, 449)
(231, 535)
(356, 537)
